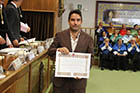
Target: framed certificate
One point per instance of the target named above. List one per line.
(72, 65)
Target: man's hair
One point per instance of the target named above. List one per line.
(76, 11)
(135, 25)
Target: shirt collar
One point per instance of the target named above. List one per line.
(0, 5)
(14, 4)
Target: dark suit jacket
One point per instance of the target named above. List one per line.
(4, 28)
(84, 45)
(13, 20)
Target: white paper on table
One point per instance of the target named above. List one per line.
(72, 65)
(12, 50)
(27, 41)
(24, 27)
(2, 76)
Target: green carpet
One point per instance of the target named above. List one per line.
(107, 81)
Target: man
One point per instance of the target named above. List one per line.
(134, 31)
(71, 40)
(100, 29)
(127, 38)
(133, 53)
(102, 38)
(3, 26)
(14, 20)
(106, 57)
(120, 55)
(115, 36)
(123, 30)
(110, 29)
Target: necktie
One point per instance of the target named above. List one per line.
(2, 22)
(20, 12)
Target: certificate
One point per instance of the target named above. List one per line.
(72, 65)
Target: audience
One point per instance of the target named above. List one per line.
(125, 53)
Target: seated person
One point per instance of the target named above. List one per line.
(115, 36)
(133, 53)
(134, 31)
(120, 55)
(106, 55)
(102, 37)
(127, 38)
(123, 30)
(99, 30)
(110, 29)
(138, 38)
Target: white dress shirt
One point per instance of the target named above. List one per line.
(74, 42)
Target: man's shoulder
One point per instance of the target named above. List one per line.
(9, 7)
(63, 32)
(85, 34)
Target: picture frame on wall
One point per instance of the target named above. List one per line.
(118, 13)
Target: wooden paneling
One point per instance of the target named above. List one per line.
(40, 5)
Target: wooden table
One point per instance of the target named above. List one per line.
(26, 78)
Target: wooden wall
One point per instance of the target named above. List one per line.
(40, 5)
(49, 6)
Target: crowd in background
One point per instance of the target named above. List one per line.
(118, 48)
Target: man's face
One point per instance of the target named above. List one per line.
(128, 32)
(110, 24)
(100, 24)
(136, 27)
(120, 41)
(139, 32)
(106, 40)
(123, 26)
(75, 22)
(1, 1)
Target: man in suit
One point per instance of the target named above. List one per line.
(14, 20)
(3, 26)
(71, 40)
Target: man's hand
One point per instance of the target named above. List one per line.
(28, 30)
(2, 40)
(15, 42)
(63, 50)
(77, 78)
(10, 46)
(21, 39)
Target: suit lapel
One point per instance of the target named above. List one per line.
(80, 41)
(68, 40)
